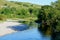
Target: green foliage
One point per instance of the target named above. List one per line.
(57, 11)
(49, 17)
(19, 10)
(2, 17)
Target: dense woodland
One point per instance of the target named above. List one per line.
(49, 18)
(47, 15)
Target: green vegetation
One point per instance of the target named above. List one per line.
(49, 17)
(18, 10)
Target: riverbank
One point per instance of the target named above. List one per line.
(4, 27)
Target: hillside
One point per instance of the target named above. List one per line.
(11, 9)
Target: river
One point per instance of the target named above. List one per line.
(29, 34)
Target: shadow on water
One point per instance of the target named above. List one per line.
(24, 26)
(53, 34)
(19, 27)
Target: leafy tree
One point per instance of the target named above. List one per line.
(56, 5)
(48, 18)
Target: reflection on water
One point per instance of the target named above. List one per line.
(30, 23)
(55, 35)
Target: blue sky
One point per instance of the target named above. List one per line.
(42, 2)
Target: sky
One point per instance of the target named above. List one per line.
(39, 2)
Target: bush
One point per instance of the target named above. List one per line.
(2, 17)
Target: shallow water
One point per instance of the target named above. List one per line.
(24, 33)
(30, 34)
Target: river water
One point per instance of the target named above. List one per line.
(29, 34)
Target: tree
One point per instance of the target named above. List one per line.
(56, 5)
(47, 18)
